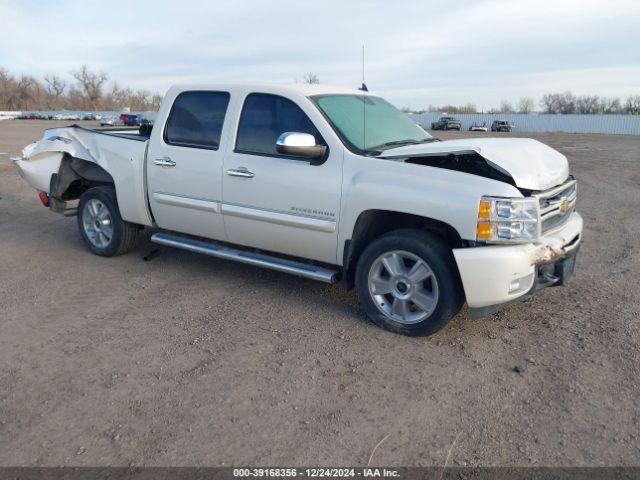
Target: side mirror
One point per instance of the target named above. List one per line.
(300, 145)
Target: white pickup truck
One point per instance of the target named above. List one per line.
(325, 183)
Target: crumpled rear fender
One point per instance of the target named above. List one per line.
(121, 158)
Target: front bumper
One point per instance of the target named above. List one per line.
(497, 274)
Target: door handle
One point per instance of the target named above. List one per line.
(164, 162)
(240, 172)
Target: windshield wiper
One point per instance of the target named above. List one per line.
(395, 143)
(401, 143)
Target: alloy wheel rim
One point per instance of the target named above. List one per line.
(97, 223)
(403, 286)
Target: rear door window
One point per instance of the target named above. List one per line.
(196, 119)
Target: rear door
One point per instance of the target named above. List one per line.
(184, 166)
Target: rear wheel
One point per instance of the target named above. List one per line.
(101, 225)
(408, 283)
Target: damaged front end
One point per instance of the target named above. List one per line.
(530, 268)
(523, 162)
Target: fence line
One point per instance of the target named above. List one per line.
(616, 124)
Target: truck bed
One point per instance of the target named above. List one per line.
(130, 133)
(120, 152)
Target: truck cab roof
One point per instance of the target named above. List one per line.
(304, 89)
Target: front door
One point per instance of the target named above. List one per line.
(184, 168)
(277, 202)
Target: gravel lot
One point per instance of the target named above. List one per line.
(189, 360)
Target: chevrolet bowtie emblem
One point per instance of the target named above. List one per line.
(564, 206)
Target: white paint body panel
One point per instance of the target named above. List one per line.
(310, 211)
(532, 164)
(38, 173)
(289, 206)
(186, 198)
(124, 159)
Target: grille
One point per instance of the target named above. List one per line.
(557, 204)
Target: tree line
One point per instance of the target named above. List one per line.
(559, 103)
(88, 90)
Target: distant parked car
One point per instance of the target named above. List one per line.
(68, 116)
(446, 123)
(136, 120)
(132, 120)
(478, 127)
(501, 126)
(108, 121)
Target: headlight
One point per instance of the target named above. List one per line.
(508, 220)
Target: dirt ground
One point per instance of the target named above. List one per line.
(189, 360)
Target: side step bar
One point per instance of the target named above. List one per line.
(214, 249)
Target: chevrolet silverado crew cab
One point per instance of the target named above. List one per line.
(328, 184)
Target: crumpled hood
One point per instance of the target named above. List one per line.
(532, 164)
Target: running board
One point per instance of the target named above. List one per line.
(214, 249)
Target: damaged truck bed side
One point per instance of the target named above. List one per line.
(325, 183)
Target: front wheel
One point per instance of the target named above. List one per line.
(101, 225)
(408, 283)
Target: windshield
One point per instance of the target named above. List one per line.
(370, 124)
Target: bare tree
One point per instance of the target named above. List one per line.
(90, 92)
(91, 83)
(24, 96)
(7, 83)
(611, 105)
(550, 103)
(469, 108)
(588, 104)
(559, 103)
(506, 107)
(311, 78)
(526, 105)
(55, 87)
(453, 109)
(632, 105)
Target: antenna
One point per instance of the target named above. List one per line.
(364, 85)
(362, 66)
(364, 105)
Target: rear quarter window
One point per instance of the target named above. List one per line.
(196, 119)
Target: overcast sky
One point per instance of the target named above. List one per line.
(417, 52)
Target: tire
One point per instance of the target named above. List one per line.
(101, 226)
(439, 283)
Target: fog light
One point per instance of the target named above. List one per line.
(521, 284)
